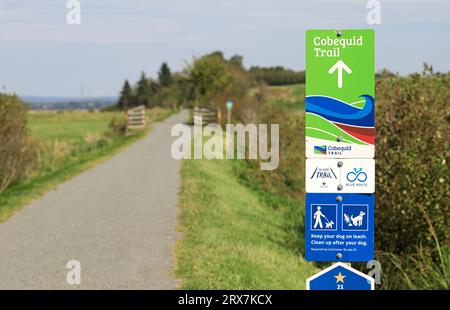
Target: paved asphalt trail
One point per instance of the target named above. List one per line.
(117, 219)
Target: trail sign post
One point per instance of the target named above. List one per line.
(340, 147)
(340, 277)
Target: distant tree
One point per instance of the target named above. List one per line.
(126, 96)
(212, 80)
(145, 91)
(208, 76)
(237, 61)
(427, 69)
(217, 54)
(164, 75)
(142, 91)
(153, 88)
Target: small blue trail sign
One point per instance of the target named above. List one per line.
(229, 104)
(340, 277)
(339, 227)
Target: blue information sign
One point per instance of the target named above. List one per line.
(340, 277)
(339, 227)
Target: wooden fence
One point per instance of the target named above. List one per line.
(135, 118)
(205, 116)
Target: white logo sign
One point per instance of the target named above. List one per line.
(340, 175)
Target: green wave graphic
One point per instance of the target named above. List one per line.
(318, 127)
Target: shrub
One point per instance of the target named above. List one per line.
(288, 178)
(16, 155)
(412, 154)
(421, 270)
(116, 127)
(168, 97)
(413, 193)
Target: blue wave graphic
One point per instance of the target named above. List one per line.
(337, 111)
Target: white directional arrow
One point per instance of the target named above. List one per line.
(339, 66)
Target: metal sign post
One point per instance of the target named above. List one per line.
(229, 105)
(340, 147)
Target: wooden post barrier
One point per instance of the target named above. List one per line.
(205, 116)
(135, 118)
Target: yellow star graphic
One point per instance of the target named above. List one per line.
(339, 278)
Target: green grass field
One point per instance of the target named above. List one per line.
(72, 127)
(67, 143)
(233, 237)
(290, 97)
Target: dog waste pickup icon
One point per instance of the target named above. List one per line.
(340, 277)
(340, 90)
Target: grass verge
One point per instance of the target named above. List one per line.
(233, 238)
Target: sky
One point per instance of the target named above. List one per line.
(42, 55)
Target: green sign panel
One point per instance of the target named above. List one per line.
(340, 92)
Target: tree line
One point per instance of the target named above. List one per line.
(207, 80)
(145, 90)
(277, 75)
